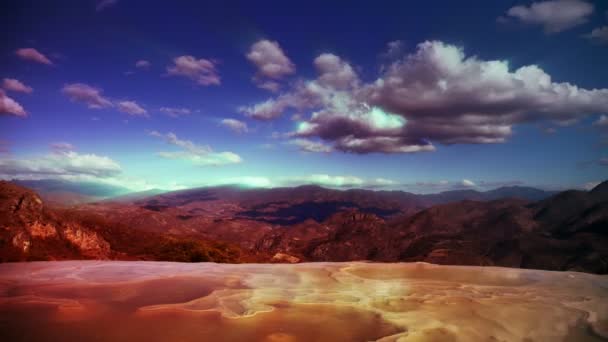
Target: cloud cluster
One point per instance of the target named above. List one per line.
(236, 126)
(93, 97)
(9, 106)
(33, 55)
(12, 84)
(63, 163)
(435, 95)
(202, 71)
(271, 62)
(175, 112)
(553, 15)
(197, 154)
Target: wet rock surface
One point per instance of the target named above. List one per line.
(158, 301)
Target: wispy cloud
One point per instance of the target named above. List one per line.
(464, 184)
(553, 15)
(202, 155)
(143, 64)
(62, 146)
(468, 183)
(94, 98)
(324, 180)
(63, 163)
(598, 35)
(10, 106)
(91, 96)
(33, 55)
(175, 112)
(131, 108)
(15, 85)
(307, 145)
(59, 163)
(236, 126)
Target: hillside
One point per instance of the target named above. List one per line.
(567, 231)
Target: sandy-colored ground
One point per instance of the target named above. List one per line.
(157, 301)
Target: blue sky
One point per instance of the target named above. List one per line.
(422, 96)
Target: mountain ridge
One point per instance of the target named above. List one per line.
(567, 231)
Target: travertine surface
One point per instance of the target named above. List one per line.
(158, 301)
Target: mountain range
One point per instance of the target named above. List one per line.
(513, 226)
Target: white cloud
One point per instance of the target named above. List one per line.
(467, 183)
(64, 163)
(131, 108)
(60, 163)
(33, 55)
(553, 15)
(598, 35)
(450, 98)
(307, 145)
(267, 110)
(91, 96)
(236, 126)
(10, 106)
(175, 112)
(12, 84)
(384, 182)
(201, 155)
(143, 64)
(330, 181)
(334, 72)
(202, 71)
(271, 62)
(325, 180)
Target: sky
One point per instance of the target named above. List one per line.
(423, 96)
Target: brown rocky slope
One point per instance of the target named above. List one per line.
(31, 231)
(568, 231)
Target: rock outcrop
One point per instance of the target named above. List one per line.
(31, 231)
